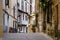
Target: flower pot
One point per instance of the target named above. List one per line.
(33, 30)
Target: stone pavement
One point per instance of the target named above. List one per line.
(26, 36)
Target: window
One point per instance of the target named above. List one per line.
(26, 7)
(4, 19)
(23, 16)
(49, 14)
(26, 17)
(7, 2)
(14, 24)
(14, 11)
(5, 22)
(20, 28)
(22, 6)
(8, 17)
(30, 9)
(18, 4)
(31, 1)
(19, 18)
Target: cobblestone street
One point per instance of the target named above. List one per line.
(26, 36)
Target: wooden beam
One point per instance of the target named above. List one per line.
(56, 4)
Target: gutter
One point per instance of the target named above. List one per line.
(23, 12)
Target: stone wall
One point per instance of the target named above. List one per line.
(1, 19)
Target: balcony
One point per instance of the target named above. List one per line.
(23, 23)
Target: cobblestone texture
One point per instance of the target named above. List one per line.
(26, 36)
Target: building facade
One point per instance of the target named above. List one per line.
(46, 20)
(17, 14)
(51, 20)
(24, 12)
(10, 14)
(32, 15)
(56, 8)
(55, 17)
(39, 16)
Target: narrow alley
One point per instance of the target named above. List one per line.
(29, 19)
(26, 36)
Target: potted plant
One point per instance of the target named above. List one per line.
(43, 4)
(33, 28)
(10, 30)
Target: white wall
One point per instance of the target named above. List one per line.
(24, 6)
(3, 4)
(16, 11)
(33, 6)
(19, 1)
(28, 8)
(13, 4)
